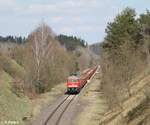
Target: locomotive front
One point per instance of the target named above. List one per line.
(73, 84)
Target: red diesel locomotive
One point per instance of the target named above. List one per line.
(75, 83)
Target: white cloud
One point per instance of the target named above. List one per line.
(56, 19)
(79, 3)
(92, 28)
(40, 7)
(7, 4)
(76, 19)
(66, 30)
(86, 28)
(89, 3)
(69, 6)
(36, 9)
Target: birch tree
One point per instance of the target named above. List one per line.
(40, 46)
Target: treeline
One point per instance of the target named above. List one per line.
(125, 53)
(13, 39)
(71, 42)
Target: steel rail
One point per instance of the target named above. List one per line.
(59, 118)
(53, 112)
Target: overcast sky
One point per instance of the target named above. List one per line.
(83, 18)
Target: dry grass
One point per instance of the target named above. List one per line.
(135, 109)
(22, 109)
(19, 108)
(42, 101)
(11, 106)
(94, 105)
(11, 67)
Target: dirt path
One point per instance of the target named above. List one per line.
(92, 104)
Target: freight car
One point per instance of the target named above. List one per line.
(76, 83)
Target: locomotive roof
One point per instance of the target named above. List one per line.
(73, 77)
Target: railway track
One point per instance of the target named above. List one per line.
(56, 115)
(56, 112)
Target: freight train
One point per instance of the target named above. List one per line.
(76, 82)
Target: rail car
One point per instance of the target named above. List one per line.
(76, 83)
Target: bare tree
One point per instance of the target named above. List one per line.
(47, 62)
(41, 46)
(40, 43)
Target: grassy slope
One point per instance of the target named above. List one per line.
(16, 108)
(11, 106)
(136, 109)
(11, 67)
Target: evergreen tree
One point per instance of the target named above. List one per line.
(70, 42)
(144, 20)
(124, 28)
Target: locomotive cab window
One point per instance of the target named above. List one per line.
(72, 80)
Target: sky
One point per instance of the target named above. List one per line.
(86, 19)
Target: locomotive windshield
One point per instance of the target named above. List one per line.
(72, 80)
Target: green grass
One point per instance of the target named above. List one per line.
(12, 107)
(11, 67)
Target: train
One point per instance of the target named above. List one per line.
(76, 82)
